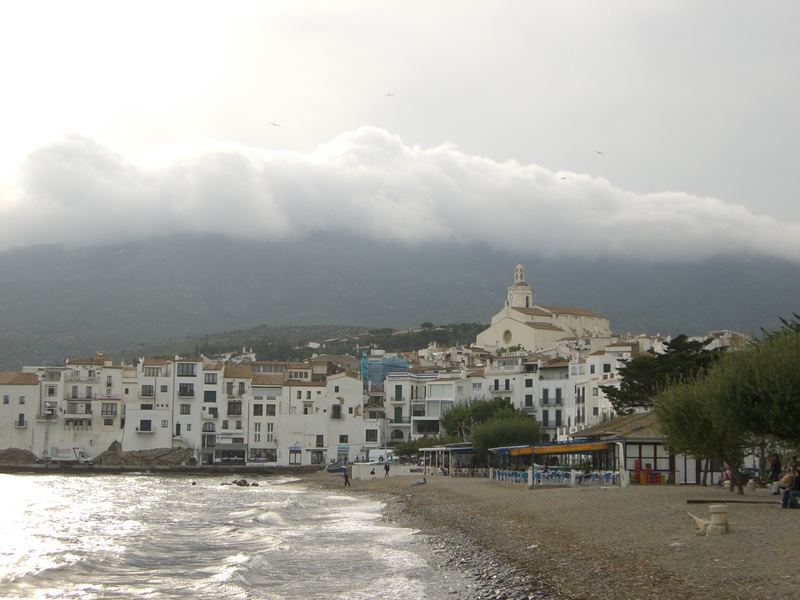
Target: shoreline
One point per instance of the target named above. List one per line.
(593, 542)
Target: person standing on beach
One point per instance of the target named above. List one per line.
(346, 478)
(386, 470)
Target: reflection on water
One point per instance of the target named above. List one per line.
(161, 537)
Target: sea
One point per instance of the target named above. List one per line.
(159, 537)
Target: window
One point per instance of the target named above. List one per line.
(74, 391)
(22, 399)
(186, 390)
(241, 388)
(256, 437)
(336, 389)
(210, 378)
(308, 394)
(295, 456)
(229, 388)
(88, 391)
(108, 409)
(239, 425)
(371, 435)
(545, 396)
(108, 381)
(234, 408)
(595, 411)
(545, 418)
(350, 410)
(507, 385)
(270, 410)
(164, 389)
(307, 410)
(188, 427)
(209, 396)
(145, 425)
(257, 427)
(258, 410)
(186, 409)
(497, 384)
(147, 391)
(594, 391)
(343, 439)
(558, 395)
(606, 368)
(299, 395)
(187, 369)
(336, 411)
(225, 423)
(477, 386)
(6, 398)
(51, 390)
(237, 440)
(529, 383)
(591, 369)
(107, 422)
(320, 441)
(152, 371)
(528, 399)
(146, 406)
(263, 455)
(164, 424)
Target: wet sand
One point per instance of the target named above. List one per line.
(598, 542)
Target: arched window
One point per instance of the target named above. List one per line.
(208, 427)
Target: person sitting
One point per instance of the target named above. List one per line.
(791, 494)
(783, 483)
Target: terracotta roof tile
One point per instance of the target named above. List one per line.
(18, 378)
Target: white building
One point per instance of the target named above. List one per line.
(522, 323)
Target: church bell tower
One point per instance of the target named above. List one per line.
(520, 294)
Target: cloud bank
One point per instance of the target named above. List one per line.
(370, 184)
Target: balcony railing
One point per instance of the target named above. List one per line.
(20, 424)
(85, 378)
(79, 397)
(401, 420)
(140, 430)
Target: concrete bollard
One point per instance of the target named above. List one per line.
(719, 519)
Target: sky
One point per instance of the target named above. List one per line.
(660, 130)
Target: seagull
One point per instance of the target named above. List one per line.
(563, 178)
(274, 124)
(601, 153)
(388, 94)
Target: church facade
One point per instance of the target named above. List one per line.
(534, 327)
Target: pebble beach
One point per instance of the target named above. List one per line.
(595, 542)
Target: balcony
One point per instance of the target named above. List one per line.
(141, 430)
(502, 388)
(185, 393)
(82, 378)
(397, 399)
(20, 424)
(79, 397)
(401, 420)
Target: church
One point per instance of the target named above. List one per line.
(536, 326)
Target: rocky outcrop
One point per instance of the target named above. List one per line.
(157, 456)
(16, 456)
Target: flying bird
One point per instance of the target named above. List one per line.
(601, 153)
(388, 94)
(274, 124)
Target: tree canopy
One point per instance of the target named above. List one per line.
(505, 431)
(644, 376)
(460, 420)
(744, 398)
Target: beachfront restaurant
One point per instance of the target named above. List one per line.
(455, 460)
(559, 463)
(643, 454)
